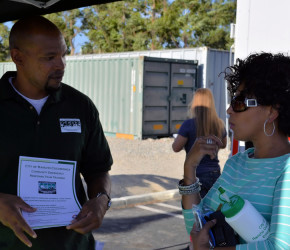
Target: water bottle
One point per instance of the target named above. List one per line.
(244, 218)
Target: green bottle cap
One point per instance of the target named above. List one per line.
(230, 209)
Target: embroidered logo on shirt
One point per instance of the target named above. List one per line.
(68, 125)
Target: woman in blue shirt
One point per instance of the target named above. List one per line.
(204, 121)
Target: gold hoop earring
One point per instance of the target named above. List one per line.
(265, 128)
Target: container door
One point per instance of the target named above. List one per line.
(155, 98)
(183, 85)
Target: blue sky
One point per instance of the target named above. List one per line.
(79, 41)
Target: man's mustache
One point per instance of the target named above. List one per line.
(57, 74)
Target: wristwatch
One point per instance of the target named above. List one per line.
(109, 198)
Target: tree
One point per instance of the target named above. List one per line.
(114, 27)
(162, 28)
(4, 43)
(144, 25)
(130, 25)
(167, 26)
(66, 21)
(157, 24)
(206, 22)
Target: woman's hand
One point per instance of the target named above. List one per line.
(206, 145)
(202, 146)
(200, 238)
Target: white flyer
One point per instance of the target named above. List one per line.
(49, 186)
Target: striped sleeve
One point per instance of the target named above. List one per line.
(265, 183)
(280, 219)
(188, 217)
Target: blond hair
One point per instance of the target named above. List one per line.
(202, 108)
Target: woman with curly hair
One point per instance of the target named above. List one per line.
(259, 112)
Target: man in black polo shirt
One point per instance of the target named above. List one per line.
(44, 118)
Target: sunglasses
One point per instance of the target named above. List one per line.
(241, 103)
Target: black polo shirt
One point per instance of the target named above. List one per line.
(50, 135)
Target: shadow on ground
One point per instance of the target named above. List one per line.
(123, 224)
(127, 185)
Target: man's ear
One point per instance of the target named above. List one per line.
(273, 114)
(17, 57)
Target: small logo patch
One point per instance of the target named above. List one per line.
(70, 125)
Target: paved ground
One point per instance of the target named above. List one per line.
(148, 227)
(145, 171)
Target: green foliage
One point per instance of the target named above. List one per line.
(114, 27)
(207, 23)
(4, 43)
(143, 25)
(66, 21)
(157, 24)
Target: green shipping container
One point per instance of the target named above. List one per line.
(137, 97)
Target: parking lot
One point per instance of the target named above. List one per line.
(154, 226)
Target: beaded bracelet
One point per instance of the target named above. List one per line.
(190, 189)
(183, 187)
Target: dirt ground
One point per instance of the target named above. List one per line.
(150, 165)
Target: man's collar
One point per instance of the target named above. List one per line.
(6, 90)
(55, 96)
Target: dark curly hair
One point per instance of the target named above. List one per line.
(266, 77)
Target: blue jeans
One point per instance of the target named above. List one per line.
(207, 180)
